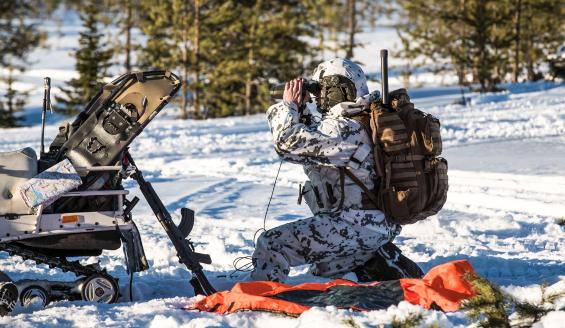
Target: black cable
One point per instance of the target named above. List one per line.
(268, 204)
(247, 267)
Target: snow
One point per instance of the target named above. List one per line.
(507, 191)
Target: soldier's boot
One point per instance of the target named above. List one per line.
(388, 263)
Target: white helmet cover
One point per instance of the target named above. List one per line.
(344, 67)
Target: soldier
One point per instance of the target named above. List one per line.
(347, 233)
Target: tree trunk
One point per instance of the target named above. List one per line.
(531, 70)
(482, 39)
(184, 96)
(516, 66)
(248, 83)
(196, 82)
(351, 28)
(461, 65)
(10, 92)
(184, 79)
(460, 71)
(335, 39)
(528, 59)
(251, 58)
(527, 40)
(128, 27)
(321, 37)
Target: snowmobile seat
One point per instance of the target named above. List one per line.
(16, 167)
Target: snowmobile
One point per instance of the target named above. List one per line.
(97, 215)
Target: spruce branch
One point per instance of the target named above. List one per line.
(489, 305)
(349, 322)
(410, 321)
(531, 313)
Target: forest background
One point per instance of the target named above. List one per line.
(228, 53)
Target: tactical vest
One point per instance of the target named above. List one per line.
(411, 179)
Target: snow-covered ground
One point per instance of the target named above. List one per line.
(507, 191)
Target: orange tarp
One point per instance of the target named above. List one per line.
(445, 285)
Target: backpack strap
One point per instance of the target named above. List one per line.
(366, 190)
(342, 186)
(364, 119)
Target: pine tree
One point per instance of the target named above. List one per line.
(182, 18)
(517, 26)
(490, 40)
(351, 27)
(362, 14)
(157, 52)
(92, 63)
(171, 34)
(471, 34)
(196, 86)
(542, 31)
(425, 35)
(259, 43)
(324, 14)
(220, 50)
(13, 100)
(339, 21)
(18, 37)
(127, 16)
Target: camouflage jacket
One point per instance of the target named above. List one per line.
(322, 148)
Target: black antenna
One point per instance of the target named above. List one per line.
(384, 76)
(46, 105)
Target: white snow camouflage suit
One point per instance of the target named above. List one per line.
(341, 235)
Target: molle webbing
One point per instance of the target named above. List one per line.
(406, 142)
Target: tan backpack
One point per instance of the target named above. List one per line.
(412, 180)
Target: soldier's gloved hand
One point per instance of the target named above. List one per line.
(294, 92)
(367, 99)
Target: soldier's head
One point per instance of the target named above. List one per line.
(340, 80)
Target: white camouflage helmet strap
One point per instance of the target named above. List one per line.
(344, 67)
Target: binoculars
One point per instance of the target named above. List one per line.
(308, 86)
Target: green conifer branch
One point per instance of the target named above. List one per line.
(410, 321)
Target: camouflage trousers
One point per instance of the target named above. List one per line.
(333, 245)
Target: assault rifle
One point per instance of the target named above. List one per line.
(177, 234)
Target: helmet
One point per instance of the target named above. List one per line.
(340, 80)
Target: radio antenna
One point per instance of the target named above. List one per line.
(46, 105)
(384, 76)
